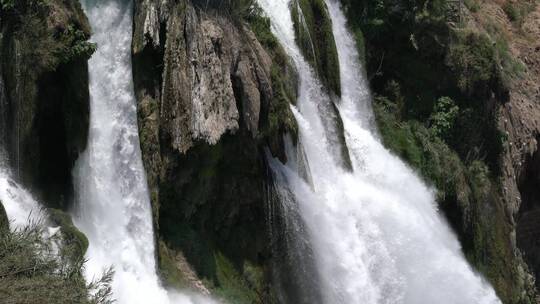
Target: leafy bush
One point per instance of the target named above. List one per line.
(444, 117)
(76, 45)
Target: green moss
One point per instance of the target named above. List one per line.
(511, 11)
(316, 40)
(413, 57)
(235, 286)
(73, 237)
(279, 119)
(465, 192)
(260, 25)
(510, 68)
(472, 5)
(168, 270)
(472, 58)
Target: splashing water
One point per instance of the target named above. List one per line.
(113, 207)
(376, 233)
(21, 207)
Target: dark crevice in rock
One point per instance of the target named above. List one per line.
(528, 223)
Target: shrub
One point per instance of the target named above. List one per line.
(511, 12)
(32, 271)
(76, 45)
(472, 5)
(471, 57)
(443, 118)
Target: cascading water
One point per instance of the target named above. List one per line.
(375, 232)
(113, 207)
(21, 207)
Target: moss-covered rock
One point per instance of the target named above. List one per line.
(468, 195)
(45, 98)
(278, 119)
(313, 30)
(74, 240)
(208, 191)
(33, 272)
(414, 57)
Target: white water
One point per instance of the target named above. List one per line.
(111, 191)
(21, 207)
(376, 233)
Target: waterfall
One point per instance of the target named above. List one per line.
(375, 232)
(21, 207)
(112, 199)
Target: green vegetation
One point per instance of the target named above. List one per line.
(209, 212)
(511, 11)
(313, 30)
(471, 57)
(31, 271)
(465, 192)
(74, 240)
(171, 276)
(279, 119)
(438, 86)
(236, 287)
(444, 117)
(76, 45)
(516, 11)
(44, 48)
(472, 5)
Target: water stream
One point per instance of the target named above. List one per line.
(112, 199)
(375, 233)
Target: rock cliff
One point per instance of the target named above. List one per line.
(44, 99)
(210, 98)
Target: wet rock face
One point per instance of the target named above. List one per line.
(204, 90)
(197, 82)
(214, 75)
(44, 99)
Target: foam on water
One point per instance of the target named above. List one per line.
(376, 233)
(21, 207)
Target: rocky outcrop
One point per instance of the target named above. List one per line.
(210, 98)
(520, 120)
(44, 99)
(313, 32)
